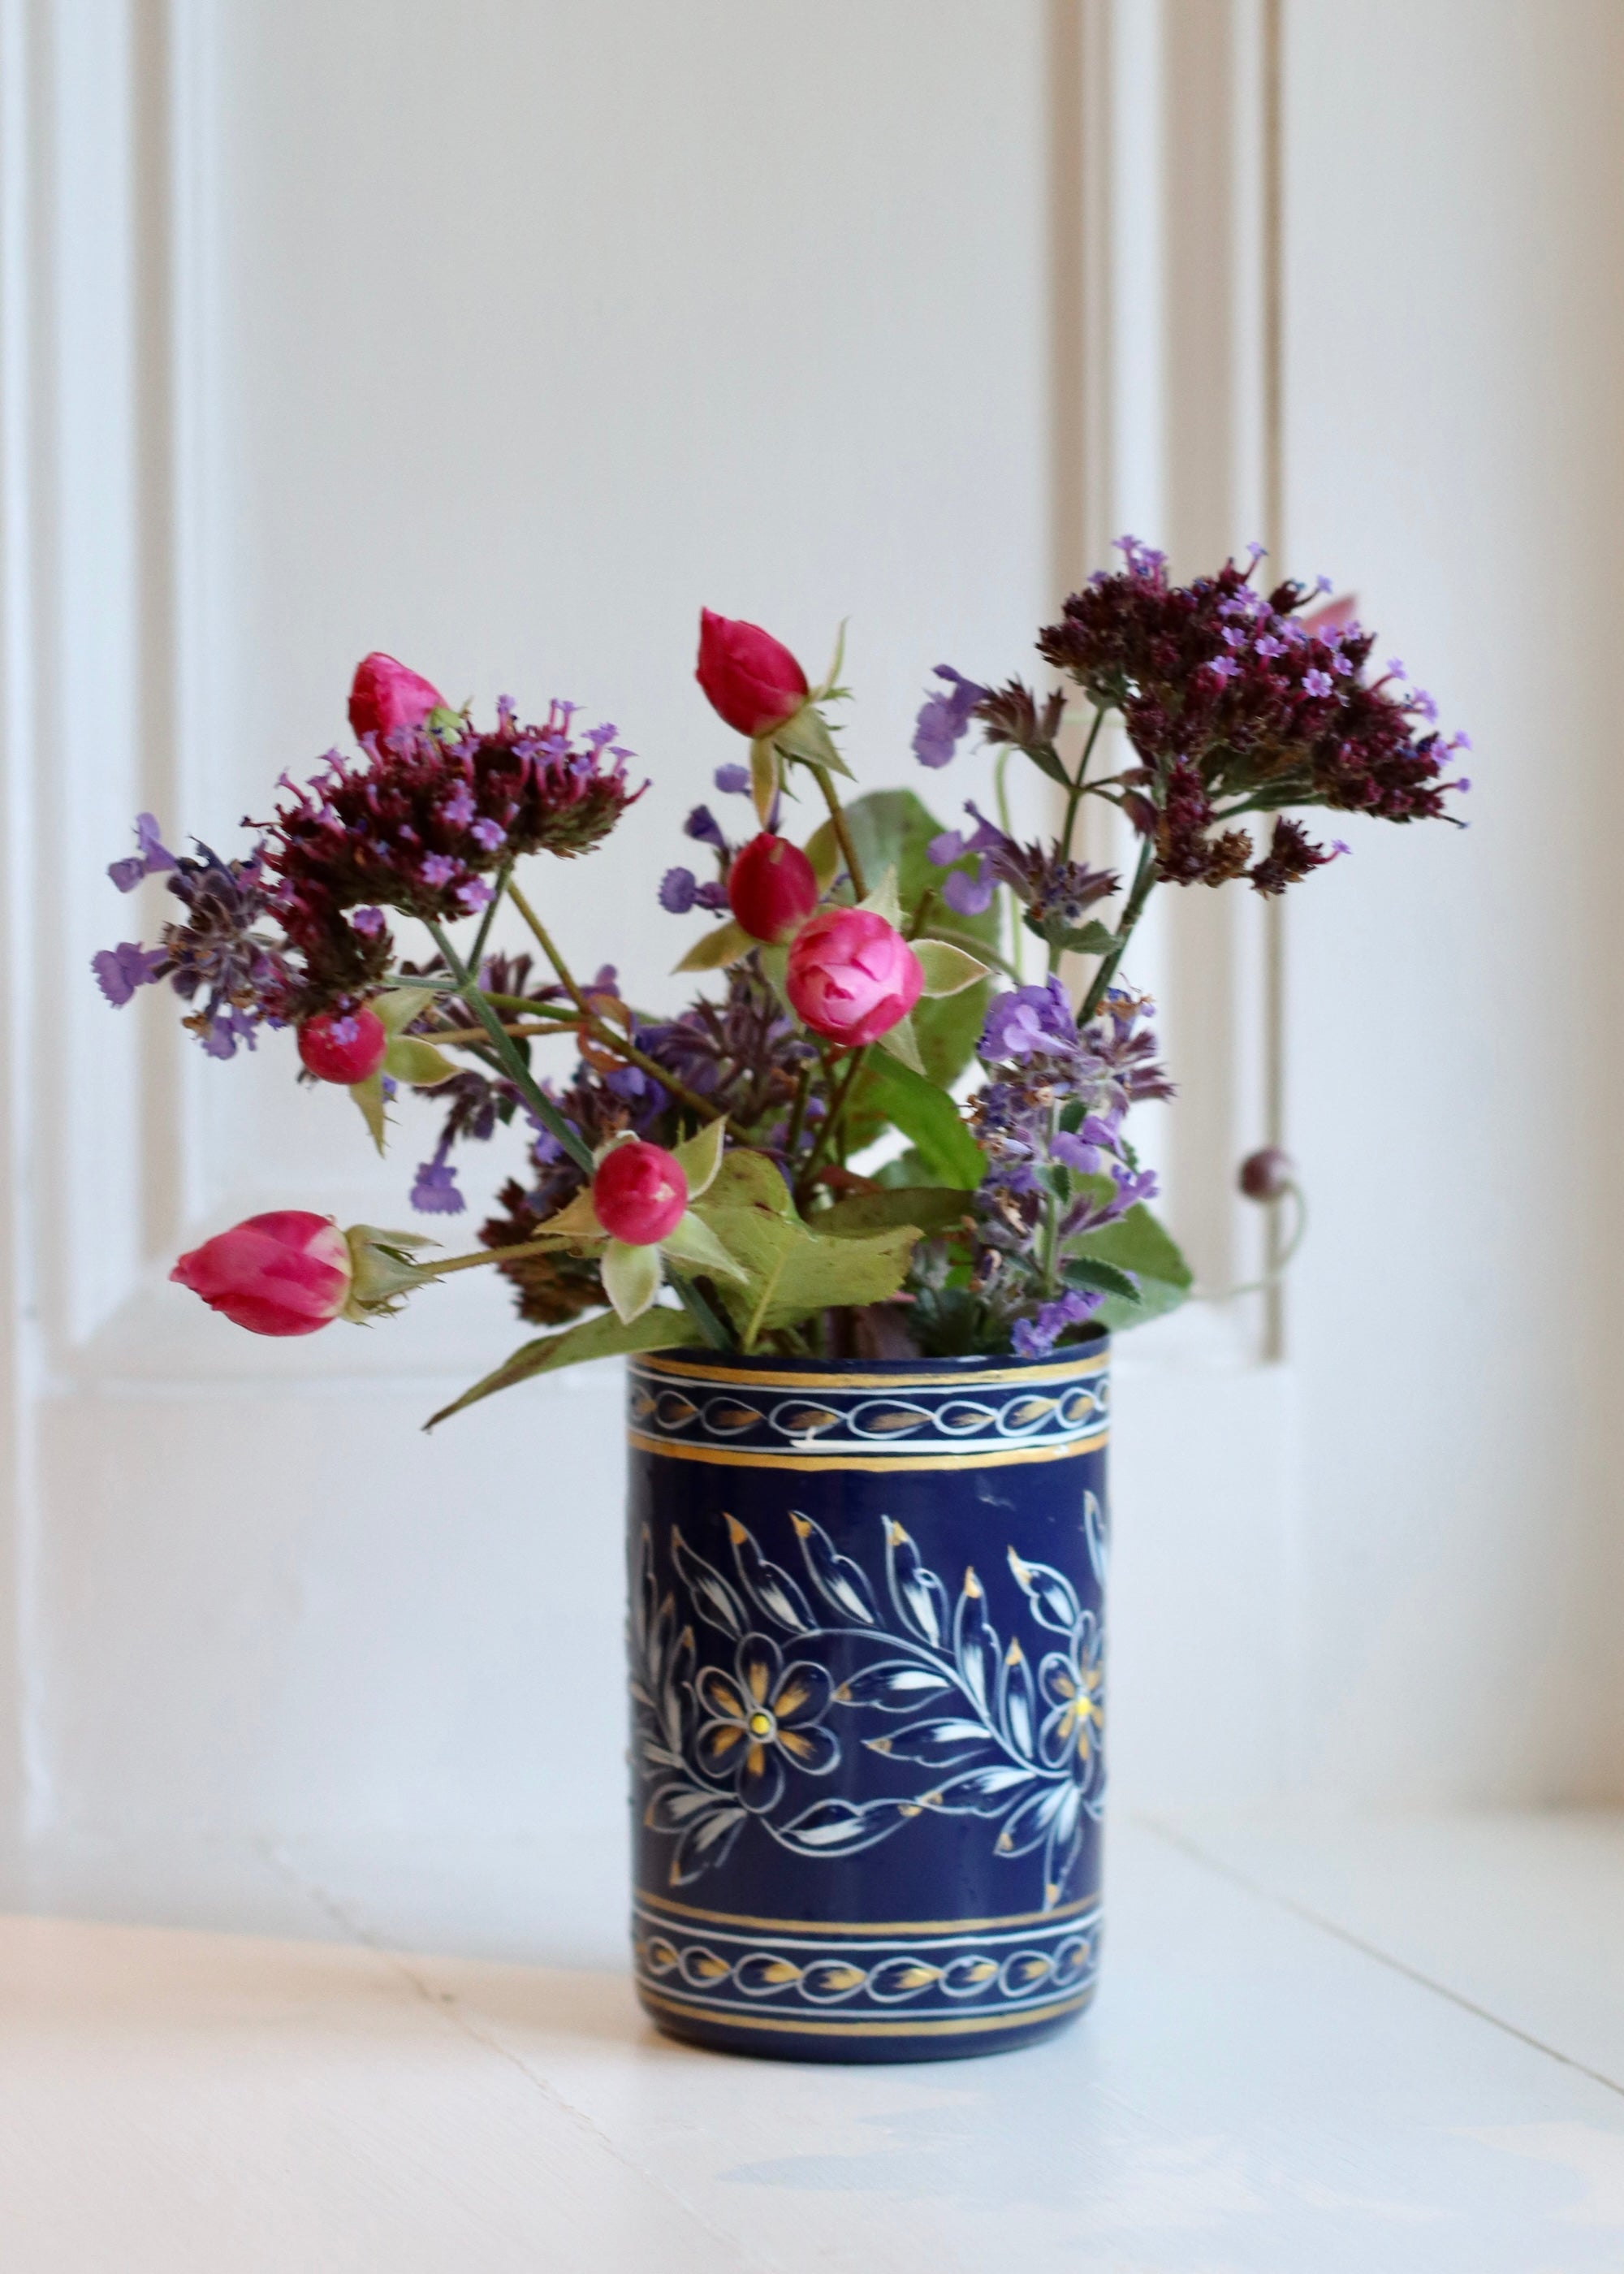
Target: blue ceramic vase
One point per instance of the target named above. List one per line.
(866, 1637)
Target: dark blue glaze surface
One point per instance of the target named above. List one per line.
(866, 1637)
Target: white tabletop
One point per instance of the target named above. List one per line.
(1381, 2047)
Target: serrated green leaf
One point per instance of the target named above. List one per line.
(1091, 1272)
(603, 1337)
(1138, 1243)
(746, 1180)
(913, 1103)
(1088, 939)
(791, 1272)
(928, 1207)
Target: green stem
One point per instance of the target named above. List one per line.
(1144, 879)
(712, 1327)
(476, 957)
(1016, 966)
(1075, 797)
(510, 1057)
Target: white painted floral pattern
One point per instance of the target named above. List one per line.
(1007, 1731)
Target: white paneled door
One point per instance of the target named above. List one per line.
(504, 338)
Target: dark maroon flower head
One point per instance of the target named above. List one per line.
(419, 824)
(1229, 700)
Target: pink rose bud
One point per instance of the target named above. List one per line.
(385, 694)
(751, 680)
(851, 975)
(771, 888)
(1268, 1174)
(287, 1273)
(640, 1192)
(344, 1047)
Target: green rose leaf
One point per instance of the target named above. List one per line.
(600, 1337)
(929, 1208)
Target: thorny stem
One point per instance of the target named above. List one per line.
(510, 1057)
(822, 1142)
(798, 1111)
(843, 835)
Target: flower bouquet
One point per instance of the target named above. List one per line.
(861, 1214)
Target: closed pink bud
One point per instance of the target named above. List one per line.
(851, 975)
(287, 1273)
(383, 695)
(771, 888)
(640, 1192)
(751, 680)
(346, 1048)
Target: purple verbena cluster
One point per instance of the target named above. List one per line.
(419, 823)
(1230, 695)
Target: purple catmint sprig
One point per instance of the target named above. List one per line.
(216, 957)
(944, 717)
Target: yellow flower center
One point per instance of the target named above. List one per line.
(761, 1725)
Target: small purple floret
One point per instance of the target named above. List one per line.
(945, 717)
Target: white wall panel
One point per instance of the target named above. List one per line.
(1455, 347)
(504, 337)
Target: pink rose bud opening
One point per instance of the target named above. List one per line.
(344, 1047)
(771, 888)
(383, 695)
(750, 680)
(640, 1192)
(287, 1273)
(851, 975)
(1268, 1174)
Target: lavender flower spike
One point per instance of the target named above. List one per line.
(945, 717)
